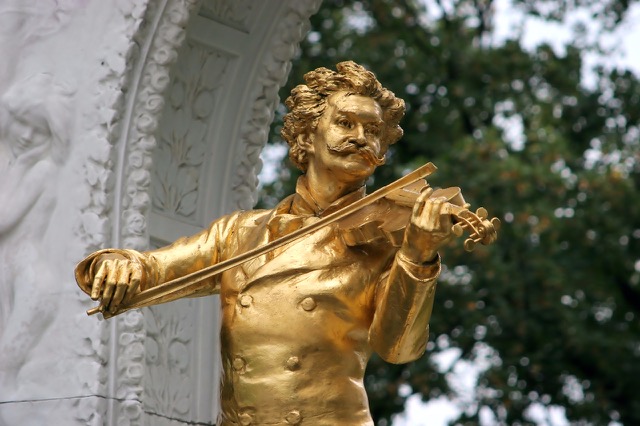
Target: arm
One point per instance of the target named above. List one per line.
(404, 298)
(22, 186)
(115, 275)
(404, 301)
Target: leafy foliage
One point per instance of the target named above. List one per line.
(558, 297)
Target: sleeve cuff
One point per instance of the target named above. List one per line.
(419, 271)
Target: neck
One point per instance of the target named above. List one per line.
(325, 189)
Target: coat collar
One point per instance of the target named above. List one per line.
(292, 213)
(303, 204)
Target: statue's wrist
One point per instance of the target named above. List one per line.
(424, 258)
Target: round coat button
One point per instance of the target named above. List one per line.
(245, 419)
(238, 363)
(293, 363)
(245, 300)
(308, 304)
(294, 417)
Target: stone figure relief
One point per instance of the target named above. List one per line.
(35, 124)
(28, 25)
(25, 22)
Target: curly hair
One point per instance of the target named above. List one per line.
(308, 101)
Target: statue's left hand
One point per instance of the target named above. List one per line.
(428, 229)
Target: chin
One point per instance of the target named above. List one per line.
(358, 170)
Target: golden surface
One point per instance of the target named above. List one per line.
(192, 283)
(300, 321)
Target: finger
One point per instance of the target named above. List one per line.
(425, 193)
(444, 218)
(445, 221)
(427, 190)
(121, 289)
(98, 281)
(418, 206)
(122, 282)
(134, 283)
(110, 283)
(432, 214)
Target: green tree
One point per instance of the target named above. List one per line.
(557, 298)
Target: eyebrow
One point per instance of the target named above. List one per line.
(372, 118)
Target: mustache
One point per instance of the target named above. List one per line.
(350, 148)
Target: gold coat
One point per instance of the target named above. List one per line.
(299, 324)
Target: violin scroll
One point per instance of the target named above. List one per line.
(479, 228)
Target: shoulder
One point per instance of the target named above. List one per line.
(242, 218)
(253, 217)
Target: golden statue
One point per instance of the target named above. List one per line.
(312, 287)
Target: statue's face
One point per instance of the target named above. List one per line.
(348, 139)
(26, 133)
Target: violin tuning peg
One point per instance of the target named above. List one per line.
(469, 244)
(457, 230)
(482, 213)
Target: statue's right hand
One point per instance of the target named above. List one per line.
(116, 280)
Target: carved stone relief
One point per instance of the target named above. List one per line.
(35, 118)
(233, 13)
(182, 144)
(168, 385)
(24, 23)
(201, 79)
(274, 70)
(138, 368)
(156, 41)
(121, 339)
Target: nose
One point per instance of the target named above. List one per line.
(28, 132)
(358, 136)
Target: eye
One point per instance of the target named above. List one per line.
(343, 122)
(373, 130)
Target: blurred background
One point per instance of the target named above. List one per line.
(533, 109)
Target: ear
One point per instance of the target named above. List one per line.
(305, 142)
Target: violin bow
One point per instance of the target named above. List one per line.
(190, 284)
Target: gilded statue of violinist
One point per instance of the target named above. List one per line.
(300, 322)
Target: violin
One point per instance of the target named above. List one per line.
(381, 216)
(386, 220)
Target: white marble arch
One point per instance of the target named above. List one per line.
(194, 120)
(170, 108)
